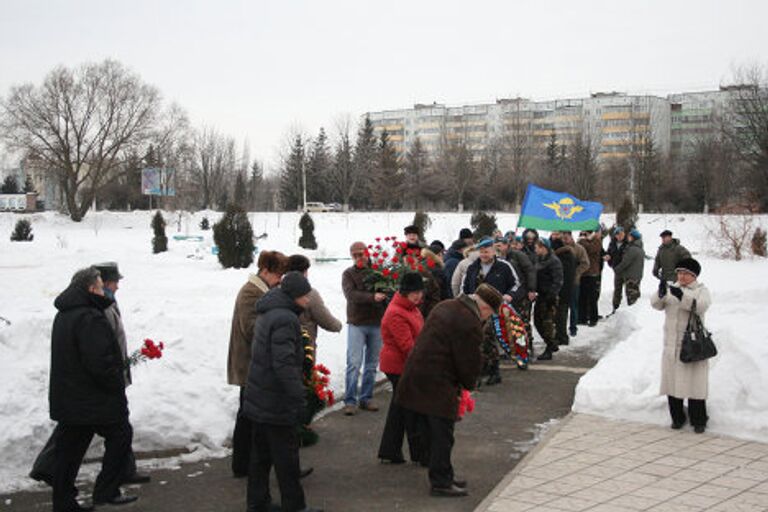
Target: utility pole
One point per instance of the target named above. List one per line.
(304, 184)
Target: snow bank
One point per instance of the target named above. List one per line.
(185, 299)
(625, 382)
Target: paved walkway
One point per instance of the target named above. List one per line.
(595, 464)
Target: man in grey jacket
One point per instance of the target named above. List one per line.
(669, 254)
(630, 269)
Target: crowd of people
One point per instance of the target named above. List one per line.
(432, 338)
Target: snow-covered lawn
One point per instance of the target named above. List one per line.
(185, 299)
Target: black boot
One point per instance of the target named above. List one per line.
(495, 375)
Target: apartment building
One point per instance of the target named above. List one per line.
(617, 124)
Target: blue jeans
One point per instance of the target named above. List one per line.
(362, 341)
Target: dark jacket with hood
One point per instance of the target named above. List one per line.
(549, 276)
(445, 358)
(87, 385)
(452, 258)
(275, 392)
(525, 268)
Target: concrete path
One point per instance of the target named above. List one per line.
(508, 421)
(594, 464)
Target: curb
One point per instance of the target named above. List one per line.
(484, 505)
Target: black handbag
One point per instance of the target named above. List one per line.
(697, 340)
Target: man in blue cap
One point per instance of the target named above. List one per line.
(501, 275)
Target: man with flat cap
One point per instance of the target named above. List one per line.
(445, 359)
(42, 469)
(667, 257)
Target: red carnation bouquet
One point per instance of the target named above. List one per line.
(390, 259)
(149, 350)
(466, 403)
(319, 382)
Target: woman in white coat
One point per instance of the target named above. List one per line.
(683, 380)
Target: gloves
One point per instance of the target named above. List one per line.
(662, 288)
(676, 292)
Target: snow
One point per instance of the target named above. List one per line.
(184, 298)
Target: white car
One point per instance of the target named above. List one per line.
(316, 207)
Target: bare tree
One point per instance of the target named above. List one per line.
(81, 122)
(748, 129)
(213, 164)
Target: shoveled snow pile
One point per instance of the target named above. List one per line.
(625, 382)
(185, 299)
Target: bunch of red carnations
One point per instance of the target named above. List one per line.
(149, 350)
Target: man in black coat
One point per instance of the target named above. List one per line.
(42, 470)
(87, 393)
(275, 395)
(568, 261)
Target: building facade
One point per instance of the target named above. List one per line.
(617, 124)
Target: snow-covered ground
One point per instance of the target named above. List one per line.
(185, 299)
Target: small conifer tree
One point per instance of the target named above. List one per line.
(233, 235)
(307, 226)
(422, 222)
(626, 217)
(759, 243)
(159, 241)
(483, 224)
(205, 224)
(22, 232)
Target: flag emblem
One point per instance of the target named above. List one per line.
(565, 208)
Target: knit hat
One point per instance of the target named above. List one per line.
(666, 232)
(357, 247)
(465, 233)
(109, 271)
(545, 242)
(530, 231)
(411, 282)
(295, 285)
(689, 265)
(501, 240)
(458, 245)
(412, 229)
(617, 230)
(490, 296)
(437, 246)
(635, 234)
(510, 235)
(484, 242)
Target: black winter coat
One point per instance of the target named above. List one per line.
(87, 385)
(616, 252)
(501, 276)
(549, 276)
(452, 259)
(569, 263)
(525, 268)
(275, 392)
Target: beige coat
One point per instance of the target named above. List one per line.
(241, 335)
(317, 315)
(678, 379)
(582, 261)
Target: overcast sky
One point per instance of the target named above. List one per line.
(257, 70)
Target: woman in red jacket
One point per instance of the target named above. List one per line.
(401, 324)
